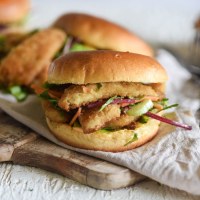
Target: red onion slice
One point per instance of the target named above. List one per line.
(67, 45)
(168, 121)
(96, 104)
(70, 41)
(116, 101)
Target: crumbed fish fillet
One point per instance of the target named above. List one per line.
(93, 119)
(79, 95)
(55, 115)
(42, 76)
(29, 58)
(121, 122)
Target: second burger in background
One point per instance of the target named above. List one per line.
(12, 13)
(88, 32)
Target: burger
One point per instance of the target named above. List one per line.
(88, 32)
(27, 63)
(12, 15)
(12, 12)
(105, 100)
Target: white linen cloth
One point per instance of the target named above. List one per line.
(171, 158)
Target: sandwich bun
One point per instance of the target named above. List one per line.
(105, 66)
(12, 11)
(101, 33)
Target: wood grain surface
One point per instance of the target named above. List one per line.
(20, 145)
(12, 135)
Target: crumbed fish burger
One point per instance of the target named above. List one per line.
(105, 100)
(12, 13)
(87, 32)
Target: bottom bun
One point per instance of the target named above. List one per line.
(101, 140)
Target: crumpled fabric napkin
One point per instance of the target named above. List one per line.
(171, 158)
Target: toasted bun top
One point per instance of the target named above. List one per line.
(105, 66)
(102, 34)
(13, 10)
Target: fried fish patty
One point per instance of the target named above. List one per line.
(79, 95)
(54, 114)
(94, 119)
(121, 122)
(27, 60)
(42, 76)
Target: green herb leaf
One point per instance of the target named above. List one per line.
(171, 106)
(163, 102)
(80, 47)
(18, 92)
(133, 139)
(143, 119)
(109, 101)
(48, 85)
(45, 95)
(106, 130)
(54, 102)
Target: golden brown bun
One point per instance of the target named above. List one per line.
(12, 11)
(105, 66)
(102, 34)
(104, 141)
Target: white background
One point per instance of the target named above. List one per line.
(159, 22)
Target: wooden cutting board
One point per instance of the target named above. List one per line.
(22, 146)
